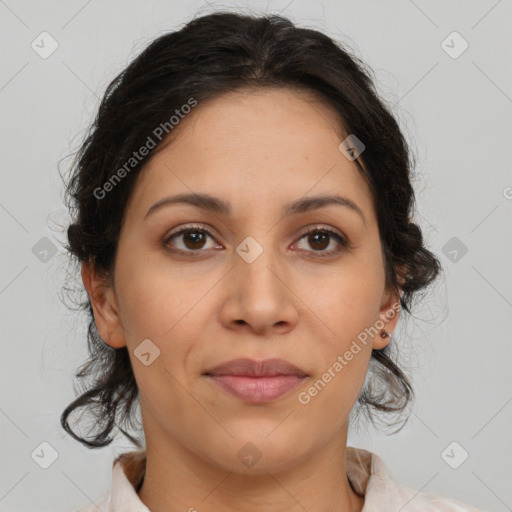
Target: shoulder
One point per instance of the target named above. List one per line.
(102, 503)
(370, 478)
(128, 471)
(412, 500)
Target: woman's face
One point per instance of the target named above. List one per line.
(252, 285)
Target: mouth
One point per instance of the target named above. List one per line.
(256, 381)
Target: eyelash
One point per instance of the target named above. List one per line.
(343, 242)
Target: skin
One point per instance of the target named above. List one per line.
(257, 150)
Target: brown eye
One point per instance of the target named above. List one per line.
(192, 239)
(321, 238)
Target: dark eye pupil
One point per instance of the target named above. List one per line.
(195, 236)
(195, 239)
(319, 237)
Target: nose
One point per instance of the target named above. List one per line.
(259, 298)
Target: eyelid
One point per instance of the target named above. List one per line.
(188, 227)
(343, 241)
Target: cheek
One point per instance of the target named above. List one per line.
(159, 305)
(150, 295)
(152, 307)
(348, 304)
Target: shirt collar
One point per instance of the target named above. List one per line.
(366, 472)
(127, 474)
(129, 468)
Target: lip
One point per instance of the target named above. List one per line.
(257, 381)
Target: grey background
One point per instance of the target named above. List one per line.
(455, 111)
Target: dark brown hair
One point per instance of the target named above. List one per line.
(211, 55)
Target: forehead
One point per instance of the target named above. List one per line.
(261, 145)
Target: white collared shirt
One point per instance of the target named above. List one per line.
(365, 470)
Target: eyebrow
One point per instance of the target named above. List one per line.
(212, 204)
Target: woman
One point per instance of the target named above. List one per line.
(243, 225)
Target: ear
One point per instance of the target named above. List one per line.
(388, 315)
(104, 305)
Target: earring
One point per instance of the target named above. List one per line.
(384, 334)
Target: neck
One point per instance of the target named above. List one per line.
(178, 480)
